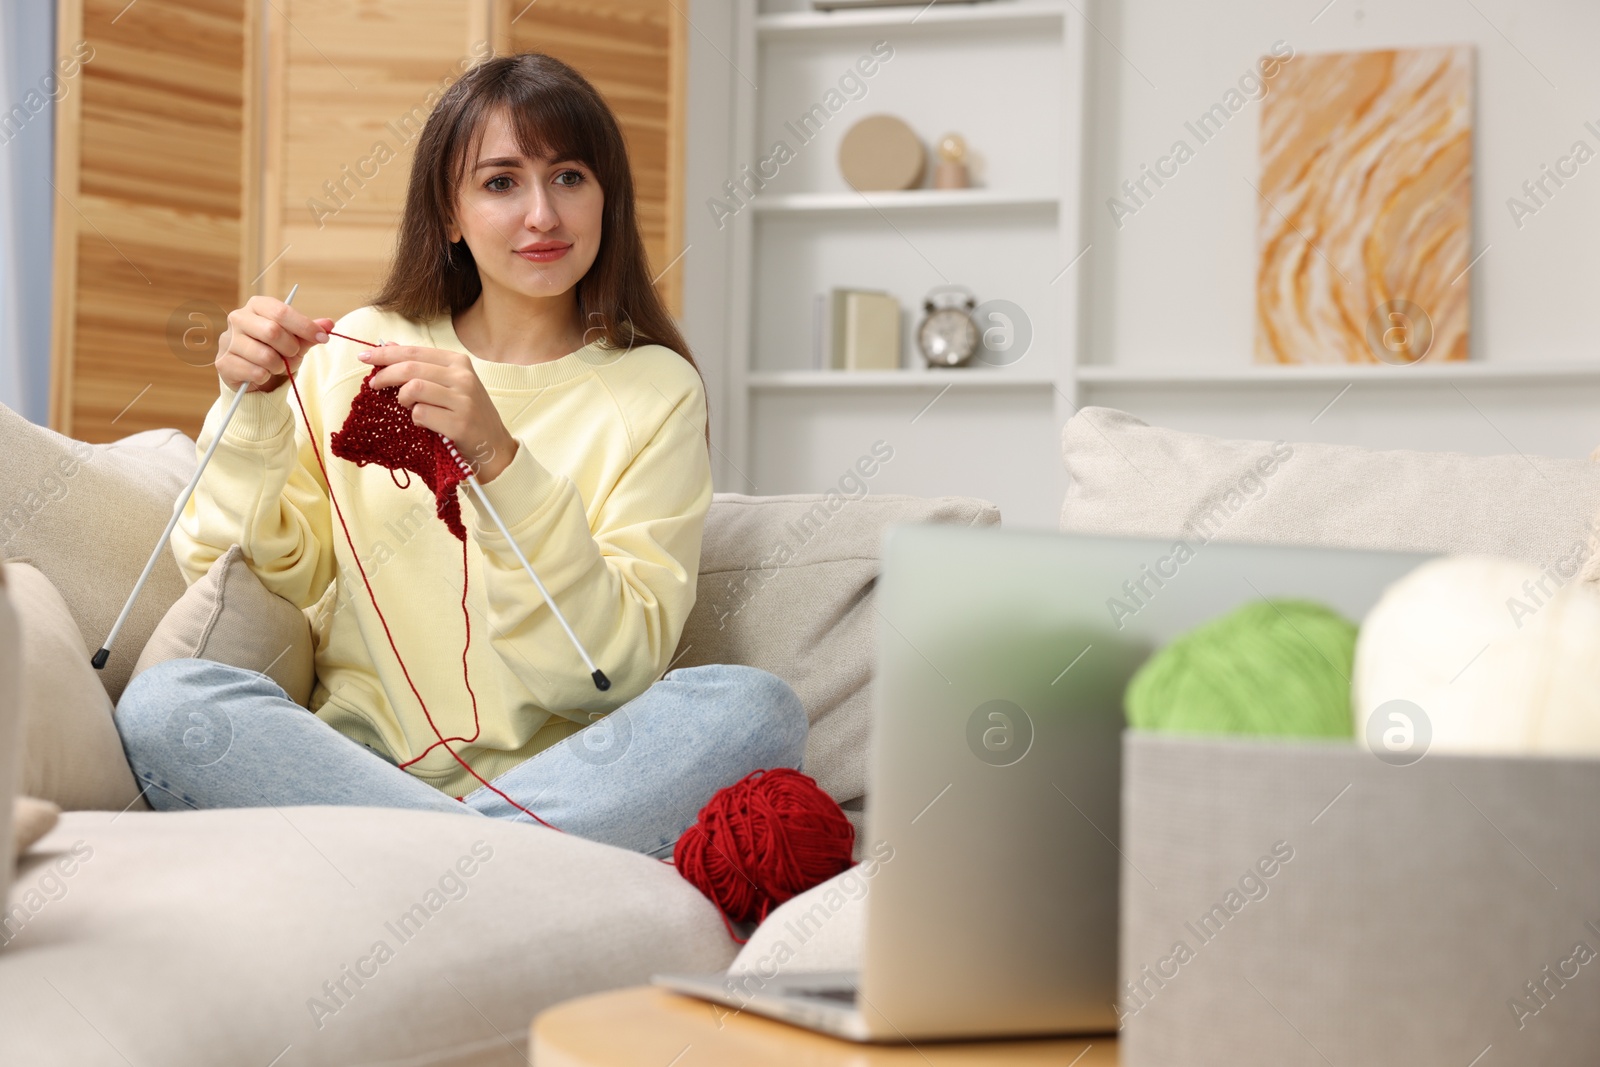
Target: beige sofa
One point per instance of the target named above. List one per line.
(249, 936)
(206, 937)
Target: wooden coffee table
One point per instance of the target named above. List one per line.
(651, 1025)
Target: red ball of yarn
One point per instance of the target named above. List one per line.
(770, 835)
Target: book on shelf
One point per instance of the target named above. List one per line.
(850, 5)
(855, 329)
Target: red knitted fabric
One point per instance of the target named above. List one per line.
(379, 430)
(409, 448)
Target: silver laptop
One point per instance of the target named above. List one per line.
(995, 768)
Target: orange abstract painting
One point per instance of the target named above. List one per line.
(1365, 208)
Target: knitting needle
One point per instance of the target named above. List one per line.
(104, 654)
(601, 682)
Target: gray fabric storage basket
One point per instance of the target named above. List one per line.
(1418, 905)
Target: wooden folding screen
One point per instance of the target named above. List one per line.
(153, 220)
(217, 148)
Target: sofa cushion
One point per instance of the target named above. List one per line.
(10, 729)
(786, 585)
(88, 517)
(326, 935)
(1126, 477)
(228, 616)
(71, 753)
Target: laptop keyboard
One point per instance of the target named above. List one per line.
(846, 994)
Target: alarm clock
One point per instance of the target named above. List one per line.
(948, 336)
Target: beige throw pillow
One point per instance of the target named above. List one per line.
(32, 818)
(87, 516)
(230, 617)
(1591, 561)
(10, 730)
(71, 753)
(1126, 478)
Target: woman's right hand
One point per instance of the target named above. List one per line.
(261, 337)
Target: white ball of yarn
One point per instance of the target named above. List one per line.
(1497, 664)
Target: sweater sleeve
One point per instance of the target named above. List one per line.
(626, 587)
(263, 490)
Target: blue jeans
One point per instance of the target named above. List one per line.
(201, 734)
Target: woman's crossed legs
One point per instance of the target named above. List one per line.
(201, 734)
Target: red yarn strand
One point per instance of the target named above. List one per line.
(357, 340)
(465, 676)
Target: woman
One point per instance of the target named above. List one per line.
(520, 322)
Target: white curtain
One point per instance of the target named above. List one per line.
(27, 138)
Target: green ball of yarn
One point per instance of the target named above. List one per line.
(1275, 667)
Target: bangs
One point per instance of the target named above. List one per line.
(546, 126)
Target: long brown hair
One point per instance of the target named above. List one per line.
(555, 114)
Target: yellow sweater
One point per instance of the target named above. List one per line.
(607, 496)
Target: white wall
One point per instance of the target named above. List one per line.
(708, 162)
(1174, 284)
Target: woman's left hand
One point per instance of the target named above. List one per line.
(445, 395)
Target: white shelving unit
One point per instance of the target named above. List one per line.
(805, 23)
(933, 378)
(1009, 75)
(1507, 373)
(911, 200)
